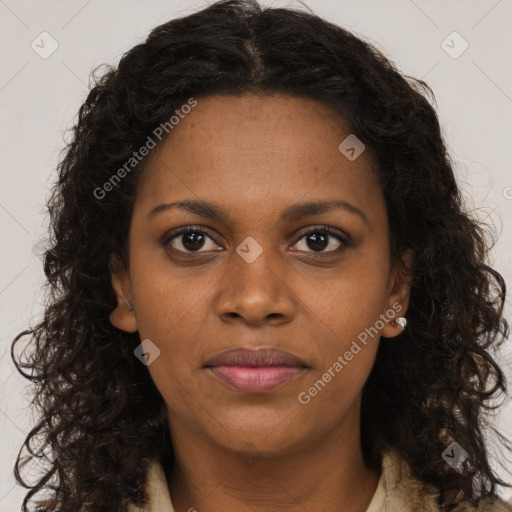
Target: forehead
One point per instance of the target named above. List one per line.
(254, 150)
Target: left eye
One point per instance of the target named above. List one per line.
(318, 239)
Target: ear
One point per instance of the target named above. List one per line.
(399, 292)
(123, 316)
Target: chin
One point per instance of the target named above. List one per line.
(252, 436)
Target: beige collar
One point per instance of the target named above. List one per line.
(397, 491)
(158, 491)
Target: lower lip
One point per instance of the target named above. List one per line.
(255, 379)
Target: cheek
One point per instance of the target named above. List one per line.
(169, 312)
(346, 305)
(347, 324)
(167, 298)
(347, 343)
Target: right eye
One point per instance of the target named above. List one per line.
(189, 239)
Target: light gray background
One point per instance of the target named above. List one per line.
(39, 99)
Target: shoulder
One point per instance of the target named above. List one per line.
(405, 493)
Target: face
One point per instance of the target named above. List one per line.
(263, 271)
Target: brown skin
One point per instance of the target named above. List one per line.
(254, 156)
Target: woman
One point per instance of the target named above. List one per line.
(266, 292)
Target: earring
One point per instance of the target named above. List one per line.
(401, 321)
(128, 304)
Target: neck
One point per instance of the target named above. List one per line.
(326, 474)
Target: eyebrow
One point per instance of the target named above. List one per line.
(289, 214)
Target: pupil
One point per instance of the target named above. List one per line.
(194, 239)
(319, 240)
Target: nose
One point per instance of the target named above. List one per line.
(256, 292)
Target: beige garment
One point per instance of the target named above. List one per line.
(397, 491)
(158, 491)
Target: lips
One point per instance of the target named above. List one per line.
(255, 357)
(255, 370)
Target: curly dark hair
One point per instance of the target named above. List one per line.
(100, 412)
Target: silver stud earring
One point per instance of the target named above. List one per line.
(401, 321)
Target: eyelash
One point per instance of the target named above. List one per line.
(344, 240)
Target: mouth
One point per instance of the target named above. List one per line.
(255, 370)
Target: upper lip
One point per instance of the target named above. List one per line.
(255, 357)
